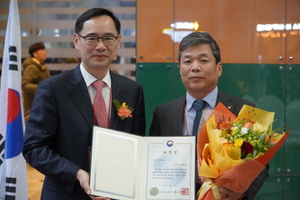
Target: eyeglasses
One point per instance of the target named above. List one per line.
(94, 40)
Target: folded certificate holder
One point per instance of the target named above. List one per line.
(130, 167)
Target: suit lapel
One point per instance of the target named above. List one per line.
(178, 112)
(79, 94)
(119, 92)
(228, 102)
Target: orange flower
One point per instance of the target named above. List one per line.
(225, 125)
(248, 125)
(230, 144)
(124, 112)
(267, 138)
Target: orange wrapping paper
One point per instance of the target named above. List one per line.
(240, 174)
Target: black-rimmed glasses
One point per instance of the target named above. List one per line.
(94, 40)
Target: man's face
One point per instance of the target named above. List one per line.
(199, 71)
(40, 55)
(99, 56)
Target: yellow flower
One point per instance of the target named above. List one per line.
(124, 105)
(238, 142)
(234, 129)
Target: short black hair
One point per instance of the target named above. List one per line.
(196, 38)
(35, 47)
(96, 12)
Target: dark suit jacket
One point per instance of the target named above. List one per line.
(168, 120)
(59, 130)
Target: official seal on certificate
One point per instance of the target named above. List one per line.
(154, 191)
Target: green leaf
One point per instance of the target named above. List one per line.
(117, 104)
(262, 137)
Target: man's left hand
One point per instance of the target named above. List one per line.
(227, 194)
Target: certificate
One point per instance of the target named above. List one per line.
(130, 167)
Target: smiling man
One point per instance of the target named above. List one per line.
(200, 68)
(66, 106)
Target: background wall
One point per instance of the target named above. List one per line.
(53, 21)
(259, 43)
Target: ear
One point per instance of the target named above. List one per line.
(219, 68)
(179, 69)
(76, 41)
(119, 41)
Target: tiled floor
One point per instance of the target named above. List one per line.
(35, 182)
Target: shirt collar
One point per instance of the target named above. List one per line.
(89, 79)
(210, 99)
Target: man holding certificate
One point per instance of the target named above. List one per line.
(200, 68)
(66, 106)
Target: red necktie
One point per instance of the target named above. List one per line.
(100, 110)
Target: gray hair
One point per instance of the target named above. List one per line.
(196, 38)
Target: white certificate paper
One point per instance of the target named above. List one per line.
(131, 167)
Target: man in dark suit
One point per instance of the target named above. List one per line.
(200, 68)
(59, 130)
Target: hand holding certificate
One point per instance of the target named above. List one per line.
(129, 167)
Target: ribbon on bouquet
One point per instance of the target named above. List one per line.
(206, 186)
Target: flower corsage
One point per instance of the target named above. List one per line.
(124, 111)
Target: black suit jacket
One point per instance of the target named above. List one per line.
(168, 120)
(59, 130)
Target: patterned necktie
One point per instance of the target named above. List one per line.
(198, 105)
(99, 107)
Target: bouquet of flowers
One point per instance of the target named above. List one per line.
(232, 150)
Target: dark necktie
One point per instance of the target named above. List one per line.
(100, 110)
(198, 105)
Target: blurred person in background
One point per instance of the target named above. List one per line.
(34, 72)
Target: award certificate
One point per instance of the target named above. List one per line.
(130, 167)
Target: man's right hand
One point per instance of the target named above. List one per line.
(84, 178)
